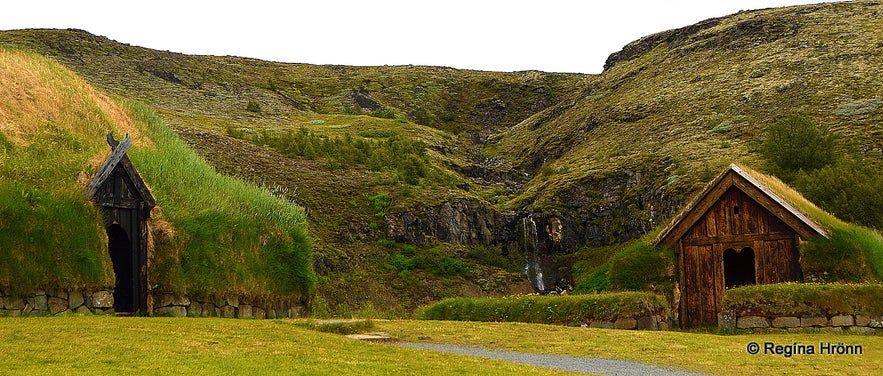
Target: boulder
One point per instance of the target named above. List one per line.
(102, 299)
(786, 322)
(842, 320)
(648, 323)
(752, 322)
(57, 305)
(194, 309)
(624, 323)
(75, 299)
(14, 304)
(41, 302)
(808, 321)
(601, 324)
(171, 311)
(862, 320)
(227, 312)
(259, 313)
(245, 312)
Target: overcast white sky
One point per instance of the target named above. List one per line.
(514, 35)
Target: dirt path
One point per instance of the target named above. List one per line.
(598, 366)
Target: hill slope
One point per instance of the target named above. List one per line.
(517, 168)
(213, 235)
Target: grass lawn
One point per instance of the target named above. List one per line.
(135, 345)
(91, 344)
(697, 352)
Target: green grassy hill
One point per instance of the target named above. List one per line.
(213, 235)
(422, 183)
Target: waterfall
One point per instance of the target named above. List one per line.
(532, 267)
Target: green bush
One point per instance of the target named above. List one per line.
(385, 113)
(548, 309)
(809, 299)
(399, 262)
(641, 267)
(851, 254)
(596, 281)
(793, 143)
(432, 260)
(253, 106)
(851, 190)
(493, 256)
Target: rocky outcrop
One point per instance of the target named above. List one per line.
(461, 221)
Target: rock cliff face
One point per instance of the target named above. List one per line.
(597, 211)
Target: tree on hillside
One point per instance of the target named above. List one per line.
(793, 144)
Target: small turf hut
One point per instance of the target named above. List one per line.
(126, 202)
(736, 232)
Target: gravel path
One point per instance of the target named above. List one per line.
(599, 366)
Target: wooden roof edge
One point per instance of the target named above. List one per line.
(664, 237)
(794, 210)
(689, 208)
(118, 156)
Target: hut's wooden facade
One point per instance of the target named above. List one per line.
(126, 203)
(737, 232)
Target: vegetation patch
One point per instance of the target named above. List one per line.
(805, 299)
(548, 309)
(395, 153)
(344, 327)
(859, 107)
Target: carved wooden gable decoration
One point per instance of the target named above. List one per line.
(737, 232)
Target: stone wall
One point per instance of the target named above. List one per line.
(55, 302)
(855, 323)
(650, 322)
(168, 304)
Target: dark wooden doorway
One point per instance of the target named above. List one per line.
(126, 202)
(739, 268)
(124, 267)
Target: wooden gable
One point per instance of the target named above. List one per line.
(117, 183)
(751, 188)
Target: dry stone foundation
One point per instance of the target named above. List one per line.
(57, 302)
(855, 323)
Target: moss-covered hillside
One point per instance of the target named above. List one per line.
(211, 235)
(422, 183)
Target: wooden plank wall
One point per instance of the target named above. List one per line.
(721, 228)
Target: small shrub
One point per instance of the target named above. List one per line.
(378, 133)
(384, 113)
(723, 127)
(379, 203)
(399, 262)
(253, 106)
(435, 262)
(344, 327)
